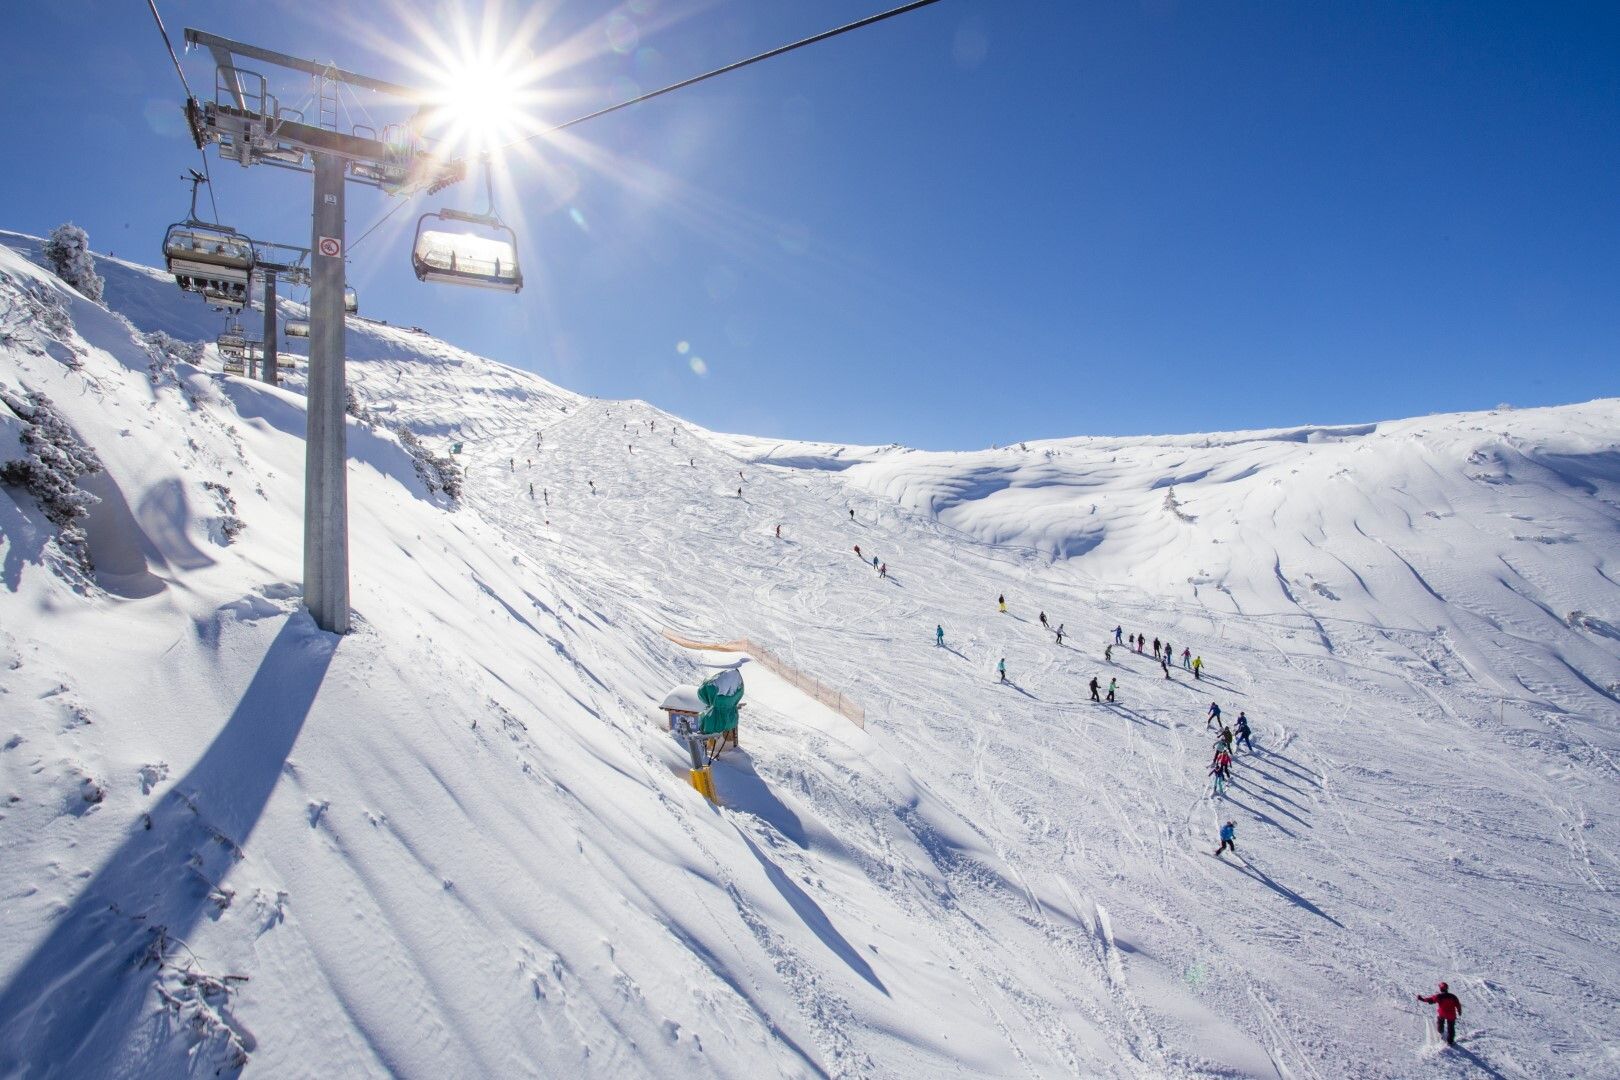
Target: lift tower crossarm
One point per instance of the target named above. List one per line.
(216, 44)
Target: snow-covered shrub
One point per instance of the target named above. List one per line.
(50, 473)
(230, 526)
(166, 351)
(438, 472)
(357, 409)
(35, 318)
(67, 249)
(1172, 504)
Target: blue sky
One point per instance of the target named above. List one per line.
(980, 222)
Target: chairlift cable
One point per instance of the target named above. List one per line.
(778, 51)
(186, 86)
(212, 202)
(397, 207)
(167, 44)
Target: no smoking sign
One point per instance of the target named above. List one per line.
(331, 247)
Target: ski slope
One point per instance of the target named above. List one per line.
(458, 842)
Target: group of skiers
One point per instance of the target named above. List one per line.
(882, 568)
(1163, 652)
(1226, 740)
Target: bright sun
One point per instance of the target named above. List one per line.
(482, 107)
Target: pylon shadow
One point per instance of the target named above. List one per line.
(70, 1008)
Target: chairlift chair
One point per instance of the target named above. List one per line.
(351, 301)
(298, 328)
(454, 247)
(232, 344)
(446, 255)
(209, 259)
(214, 260)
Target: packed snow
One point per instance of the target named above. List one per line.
(460, 841)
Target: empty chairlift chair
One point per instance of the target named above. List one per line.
(351, 301)
(210, 259)
(298, 328)
(457, 248)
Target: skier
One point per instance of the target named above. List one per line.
(1222, 762)
(1044, 622)
(1095, 686)
(1141, 643)
(1155, 648)
(1446, 1010)
(1169, 654)
(1164, 665)
(1108, 653)
(1198, 667)
(1001, 602)
(739, 493)
(1060, 633)
(1001, 668)
(1228, 838)
(1217, 781)
(852, 515)
(1118, 630)
(511, 465)
(1243, 731)
(1186, 658)
(779, 532)
(1113, 684)
(546, 494)
(1214, 716)
(1223, 741)
(593, 486)
(939, 637)
(858, 554)
(531, 491)
(883, 571)
(874, 562)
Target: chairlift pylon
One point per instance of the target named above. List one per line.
(448, 252)
(213, 260)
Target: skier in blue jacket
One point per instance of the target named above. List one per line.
(1119, 635)
(1228, 838)
(939, 636)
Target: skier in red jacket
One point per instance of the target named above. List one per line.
(1446, 1010)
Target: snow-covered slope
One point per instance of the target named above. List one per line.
(456, 843)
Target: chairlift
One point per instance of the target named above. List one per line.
(298, 328)
(233, 343)
(214, 260)
(454, 247)
(351, 301)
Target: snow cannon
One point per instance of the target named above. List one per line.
(713, 708)
(721, 695)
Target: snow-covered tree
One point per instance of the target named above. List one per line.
(68, 251)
